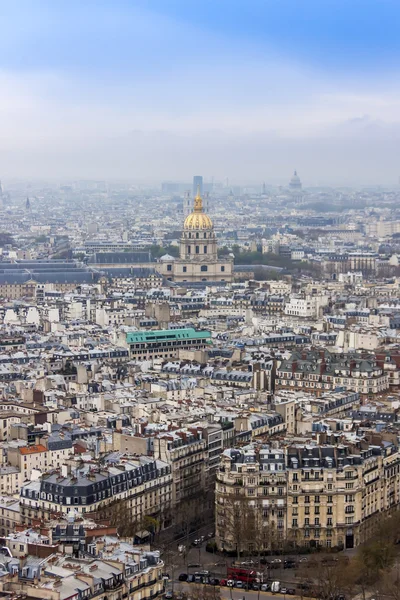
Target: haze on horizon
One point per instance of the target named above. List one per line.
(245, 89)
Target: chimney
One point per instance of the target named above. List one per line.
(65, 470)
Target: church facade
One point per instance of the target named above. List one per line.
(198, 253)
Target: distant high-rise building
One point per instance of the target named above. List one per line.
(197, 184)
(28, 204)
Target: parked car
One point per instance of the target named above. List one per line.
(214, 581)
(223, 582)
(169, 595)
(255, 586)
(230, 583)
(204, 573)
(289, 564)
(291, 591)
(210, 535)
(283, 590)
(265, 587)
(190, 578)
(183, 577)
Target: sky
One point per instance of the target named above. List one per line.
(152, 90)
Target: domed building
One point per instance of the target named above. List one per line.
(198, 253)
(295, 187)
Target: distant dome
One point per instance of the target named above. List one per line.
(167, 257)
(295, 182)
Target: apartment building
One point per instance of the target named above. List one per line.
(317, 371)
(10, 515)
(185, 450)
(144, 485)
(250, 499)
(50, 454)
(328, 495)
(121, 572)
(28, 458)
(335, 492)
(10, 480)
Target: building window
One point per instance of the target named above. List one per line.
(222, 268)
(169, 267)
(306, 499)
(294, 522)
(204, 268)
(197, 249)
(205, 235)
(205, 249)
(184, 269)
(188, 249)
(197, 235)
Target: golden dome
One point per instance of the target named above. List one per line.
(198, 219)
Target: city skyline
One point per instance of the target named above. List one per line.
(245, 90)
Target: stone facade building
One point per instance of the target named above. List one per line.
(328, 495)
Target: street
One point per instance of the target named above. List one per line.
(230, 593)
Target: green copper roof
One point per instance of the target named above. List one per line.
(135, 337)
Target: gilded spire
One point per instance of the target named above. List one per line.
(198, 202)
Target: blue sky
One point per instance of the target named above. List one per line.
(155, 89)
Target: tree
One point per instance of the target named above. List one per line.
(233, 519)
(329, 576)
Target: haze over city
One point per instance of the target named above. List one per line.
(199, 300)
(245, 90)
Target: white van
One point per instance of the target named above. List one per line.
(275, 587)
